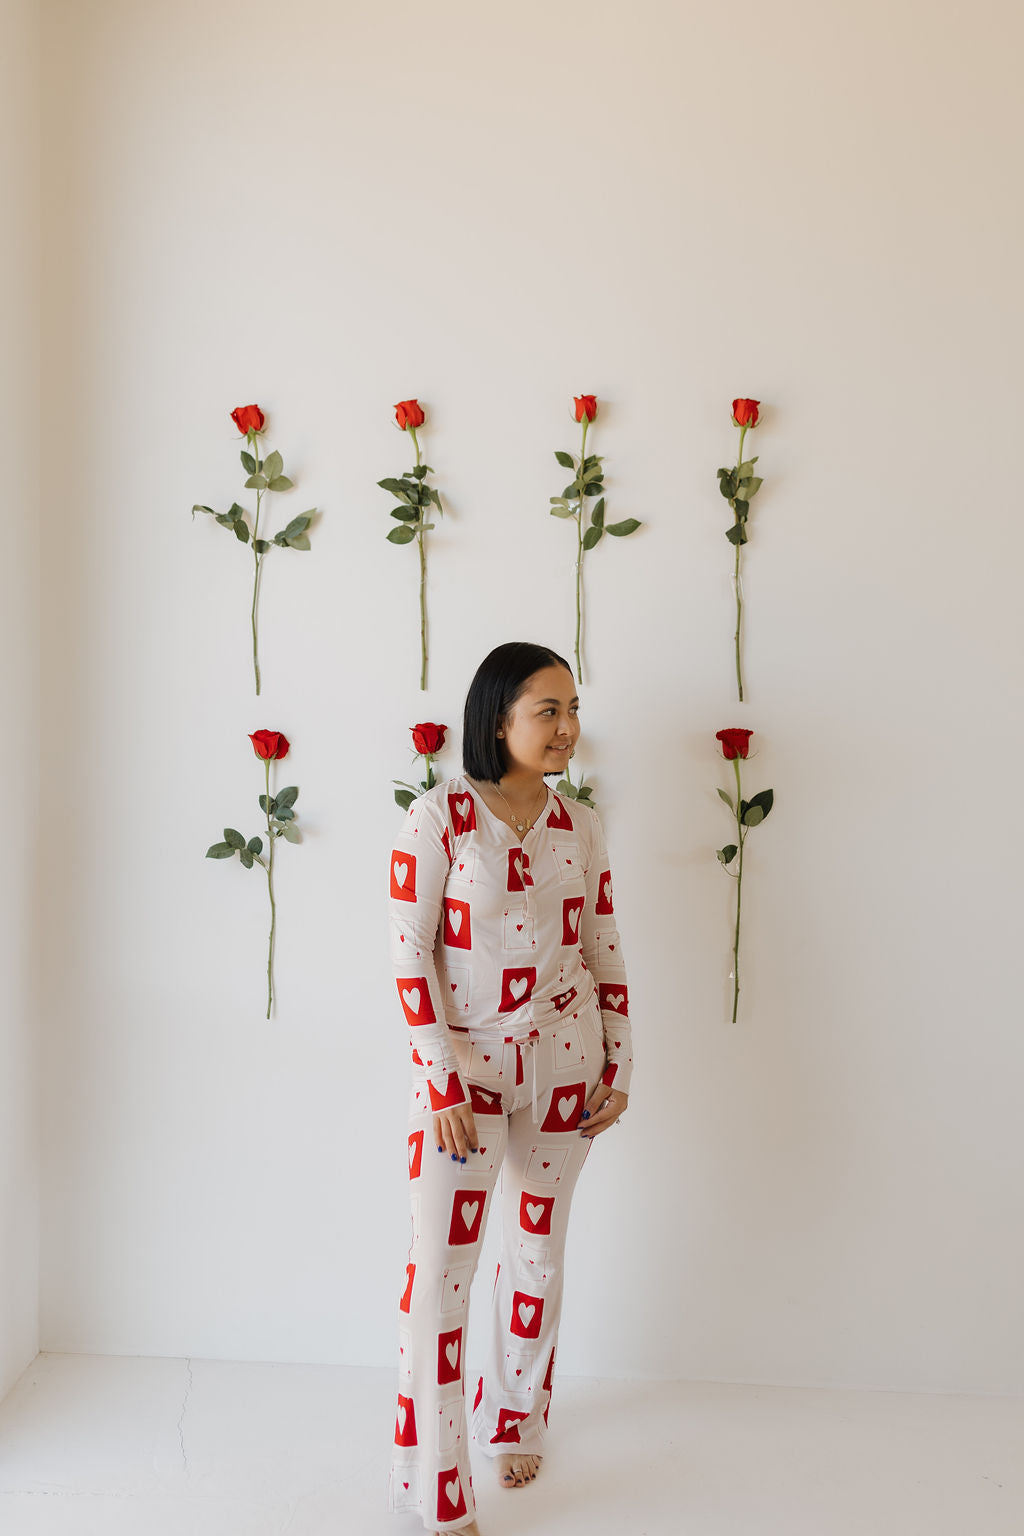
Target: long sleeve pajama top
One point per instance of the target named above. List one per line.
(501, 939)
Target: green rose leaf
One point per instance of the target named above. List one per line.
(727, 483)
(404, 514)
(235, 839)
(592, 537)
(255, 845)
(288, 795)
(266, 805)
(396, 487)
(565, 459)
(622, 530)
(727, 798)
(597, 515)
(297, 525)
(199, 508)
(220, 851)
(273, 464)
(402, 535)
(234, 512)
(741, 507)
(571, 492)
(241, 531)
(248, 463)
(292, 834)
(418, 471)
(223, 519)
(261, 546)
(435, 498)
(256, 483)
(747, 466)
(284, 813)
(728, 853)
(752, 815)
(562, 511)
(593, 473)
(300, 541)
(752, 486)
(404, 798)
(246, 857)
(762, 803)
(736, 534)
(281, 483)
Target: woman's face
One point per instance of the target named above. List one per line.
(542, 727)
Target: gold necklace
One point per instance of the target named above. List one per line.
(520, 826)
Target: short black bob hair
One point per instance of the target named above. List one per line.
(500, 679)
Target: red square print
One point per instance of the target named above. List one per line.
(456, 924)
(453, 1093)
(614, 998)
(484, 1101)
(535, 1213)
(449, 1357)
(463, 813)
(416, 1000)
(403, 875)
(560, 817)
(561, 1000)
(565, 1108)
(547, 1374)
(415, 1154)
(527, 1312)
(405, 1422)
(603, 906)
(410, 1275)
(509, 1420)
(451, 1501)
(608, 1076)
(572, 909)
(467, 1215)
(517, 986)
(519, 876)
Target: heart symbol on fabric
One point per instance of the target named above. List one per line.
(469, 1211)
(611, 946)
(454, 985)
(487, 1058)
(401, 1417)
(452, 1351)
(566, 1106)
(526, 1312)
(401, 870)
(614, 999)
(617, 1044)
(545, 1165)
(517, 988)
(454, 1287)
(574, 918)
(519, 927)
(608, 891)
(405, 1485)
(535, 1212)
(401, 938)
(452, 1490)
(482, 1151)
(568, 1045)
(412, 1152)
(463, 807)
(519, 1372)
(455, 918)
(462, 866)
(412, 999)
(568, 861)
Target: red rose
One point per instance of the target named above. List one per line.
(586, 405)
(734, 742)
(744, 412)
(428, 738)
(409, 414)
(248, 418)
(269, 744)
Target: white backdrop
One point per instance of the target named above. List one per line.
(666, 206)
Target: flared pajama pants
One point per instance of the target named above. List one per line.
(527, 1102)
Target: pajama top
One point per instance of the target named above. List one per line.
(501, 939)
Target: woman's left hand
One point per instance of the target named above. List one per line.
(601, 1110)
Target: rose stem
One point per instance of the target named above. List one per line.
(270, 888)
(423, 574)
(739, 894)
(256, 577)
(579, 547)
(736, 578)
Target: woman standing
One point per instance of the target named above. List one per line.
(511, 981)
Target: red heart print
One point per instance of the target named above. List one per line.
(568, 1043)
(545, 1165)
(487, 1058)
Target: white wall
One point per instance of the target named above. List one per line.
(331, 210)
(19, 683)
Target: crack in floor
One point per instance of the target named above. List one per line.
(181, 1420)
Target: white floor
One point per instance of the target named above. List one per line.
(112, 1445)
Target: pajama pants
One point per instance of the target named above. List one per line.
(527, 1101)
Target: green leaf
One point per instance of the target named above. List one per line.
(563, 787)
(401, 535)
(288, 795)
(571, 492)
(565, 459)
(273, 464)
(595, 472)
(751, 487)
(301, 541)
(199, 508)
(627, 526)
(404, 514)
(404, 798)
(284, 813)
(736, 534)
(246, 857)
(591, 458)
(418, 471)
(397, 488)
(241, 531)
(261, 546)
(281, 483)
(728, 799)
(752, 815)
(435, 498)
(256, 483)
(741, 508)
(220, 851)
(234, 512)
(234, 838)
(255, 845)
(224, 520)
(763, 803)
(728, 853)
(727, 483)
(265, 805)
(248, 463)
(592, 537)
(597, 515)
(562, 511)
(292, 833)
(562, 501)
(297, 525)
(426, 527)
(747, 466)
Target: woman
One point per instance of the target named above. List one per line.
(511, 981)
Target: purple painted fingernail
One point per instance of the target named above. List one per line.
(440, 1149)
(455, 1157)
(585, 1115)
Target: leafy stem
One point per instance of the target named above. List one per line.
(739, 893)
(270, 889)
(736, 580)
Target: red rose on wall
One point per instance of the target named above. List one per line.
(248, 418)
(409, 414)
(744, 412)
(428, 738)
(734, 742)
(586, 405)
(269, 744)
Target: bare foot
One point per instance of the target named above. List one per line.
(517, 1471)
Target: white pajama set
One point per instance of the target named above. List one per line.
(511, 982)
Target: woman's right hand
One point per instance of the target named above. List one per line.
(455, 1130)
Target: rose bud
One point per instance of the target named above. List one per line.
(744, 412)
(409, 414)
(734, 742)
(428, 738)
(269, 744)
(586, 405)
(248, 418)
